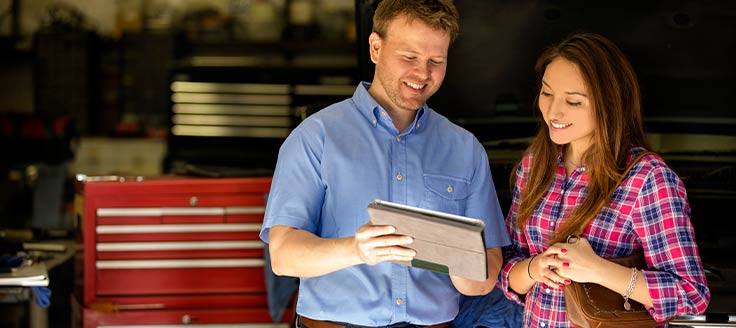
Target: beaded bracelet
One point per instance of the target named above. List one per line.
(630, 289)
(529, 267)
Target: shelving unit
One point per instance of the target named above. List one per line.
(246, 97)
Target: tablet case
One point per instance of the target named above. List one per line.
(445, 243)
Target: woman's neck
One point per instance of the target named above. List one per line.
(572, 159)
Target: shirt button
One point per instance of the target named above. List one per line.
(542, 324)
(373, 121)
(399, 177)
(383, 113)
(551, 224)
(547, 290)
(398, 138)
(449, 188)
(398, 301)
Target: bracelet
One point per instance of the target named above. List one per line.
(632, 284)
(529, 267)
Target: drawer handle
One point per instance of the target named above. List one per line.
(245, 210)
(161, 211)
(177, 228)
(179, 245)
(182, 211)
(180, 264)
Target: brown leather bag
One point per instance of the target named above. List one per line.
(592, 305)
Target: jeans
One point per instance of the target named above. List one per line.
(493, 310)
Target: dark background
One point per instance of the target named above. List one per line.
(682, 52)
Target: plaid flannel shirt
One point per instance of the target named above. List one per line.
(648, 211)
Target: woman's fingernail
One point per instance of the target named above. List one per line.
(565, 265)
(567, 281)
(564, 250)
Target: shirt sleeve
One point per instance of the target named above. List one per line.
(677, 285)
(297, 191)
(518, 250)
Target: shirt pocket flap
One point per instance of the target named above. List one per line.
(447, 187)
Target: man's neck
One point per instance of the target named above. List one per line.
(401, 118)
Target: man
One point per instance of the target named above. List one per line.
(384, 143)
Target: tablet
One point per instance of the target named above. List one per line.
(444, 242)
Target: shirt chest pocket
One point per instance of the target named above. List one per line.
(445, 194)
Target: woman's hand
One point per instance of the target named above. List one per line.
(577, 261)
(544, 268)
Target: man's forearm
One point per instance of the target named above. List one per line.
(473, 287)
(299, 253)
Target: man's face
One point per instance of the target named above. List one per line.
(411, 60)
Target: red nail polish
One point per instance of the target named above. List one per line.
(564, 250)
(565, 265)
(567, 281)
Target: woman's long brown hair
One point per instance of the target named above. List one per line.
(614, 89)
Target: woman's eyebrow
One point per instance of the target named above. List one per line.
(567, 92)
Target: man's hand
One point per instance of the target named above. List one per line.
(376, 244)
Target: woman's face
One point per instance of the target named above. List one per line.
(566, 105)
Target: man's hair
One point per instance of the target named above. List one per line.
(437, 14)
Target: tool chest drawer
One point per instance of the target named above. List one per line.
(168, 236)
(180, 277)
(226, 318)
(244, 317)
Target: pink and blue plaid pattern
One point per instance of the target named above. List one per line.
(649, 211)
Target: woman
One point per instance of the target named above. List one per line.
(591, 129)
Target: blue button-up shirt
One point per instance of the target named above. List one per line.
(338, 160)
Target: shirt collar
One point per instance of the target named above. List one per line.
(371, 110)
(560, 155)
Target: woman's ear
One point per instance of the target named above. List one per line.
(375, 42)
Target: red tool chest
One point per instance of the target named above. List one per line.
(171, 250)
